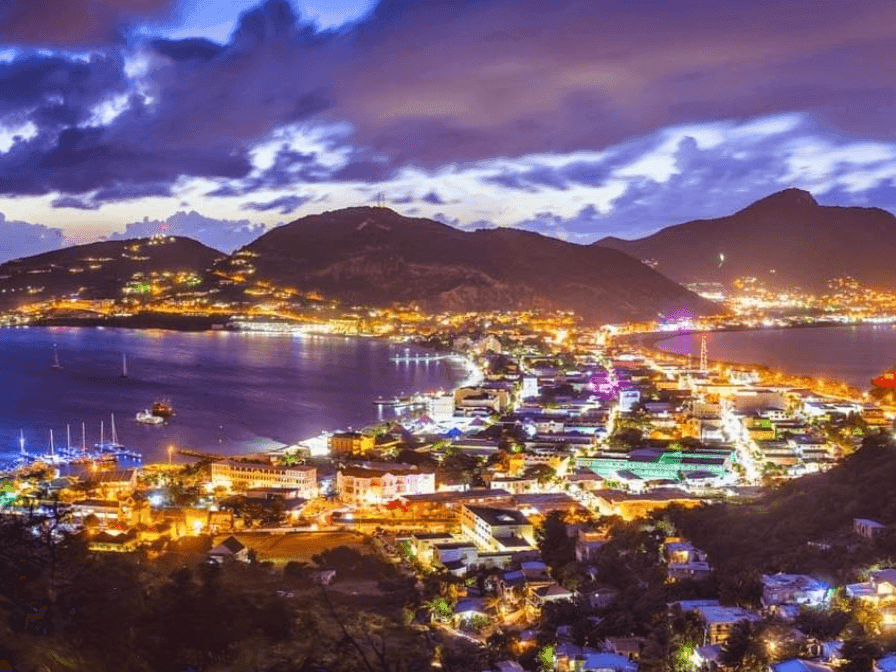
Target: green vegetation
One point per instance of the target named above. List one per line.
(64, 608)
(774, 532)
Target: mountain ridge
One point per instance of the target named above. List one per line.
(373, 256)
(785, 239)
(368, 256)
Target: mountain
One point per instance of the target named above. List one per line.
(785, 239)
(99, 270)
(374, 256)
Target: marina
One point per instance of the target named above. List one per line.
(102, 452)
(225, 392)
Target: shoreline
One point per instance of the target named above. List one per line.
(461, 370)
(649, 341)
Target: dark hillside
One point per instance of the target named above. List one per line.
(774, 532)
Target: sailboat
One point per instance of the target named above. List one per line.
(51, 457)
(56, 364)
(114, 448)
(108, 446)
(124, 365)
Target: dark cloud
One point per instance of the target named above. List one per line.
(221, 234)
(427, 84)
(482, 79)
(78, 23)
(187, 49)
(55, 91)
(433, 198)
(75, 202)
(709, 183)
(22, 239)
(112, 194)
(285, 204)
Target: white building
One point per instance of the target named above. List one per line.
(530, 388)
(497, 529)
(362, 486)
(440, 407)
(246, 475)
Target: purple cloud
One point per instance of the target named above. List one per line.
(425, 85)
(221, 234)
(22, 239)
(79, 23)
(285, 204)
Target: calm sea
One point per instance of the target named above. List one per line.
(852, 355)
(232, 391)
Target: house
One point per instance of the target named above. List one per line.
(800, 665)
(867, 528)
(801, 589)
(630, 647)
(588, 544)
(497, 529)
(467, 610)
(880, 592)
(717, 619)
(229, 549)
(600, 597)
(607, 662)
(885, 664)
(881, 585)
(454, 556)
(112, 483)
(553, 592)
(121, 542)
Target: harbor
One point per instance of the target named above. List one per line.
(101, 452)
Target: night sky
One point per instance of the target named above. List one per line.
(577, 119)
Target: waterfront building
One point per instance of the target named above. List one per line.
(362, 486)
(246, 476)
(350, 444)
(440, 407)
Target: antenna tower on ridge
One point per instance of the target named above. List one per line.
(381, 200)
(703, 355)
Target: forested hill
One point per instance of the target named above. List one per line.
(774, 533)
(374, 256)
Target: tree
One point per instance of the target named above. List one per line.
(744, 649)
(541, 472)
(858, 655)
(820, 624)
(555, 545)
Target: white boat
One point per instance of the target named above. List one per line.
(146, 417)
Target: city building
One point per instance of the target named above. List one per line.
(350, 444)
(246, 476)
(362, 486)
(497, 529)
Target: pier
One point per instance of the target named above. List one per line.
(407, 357)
